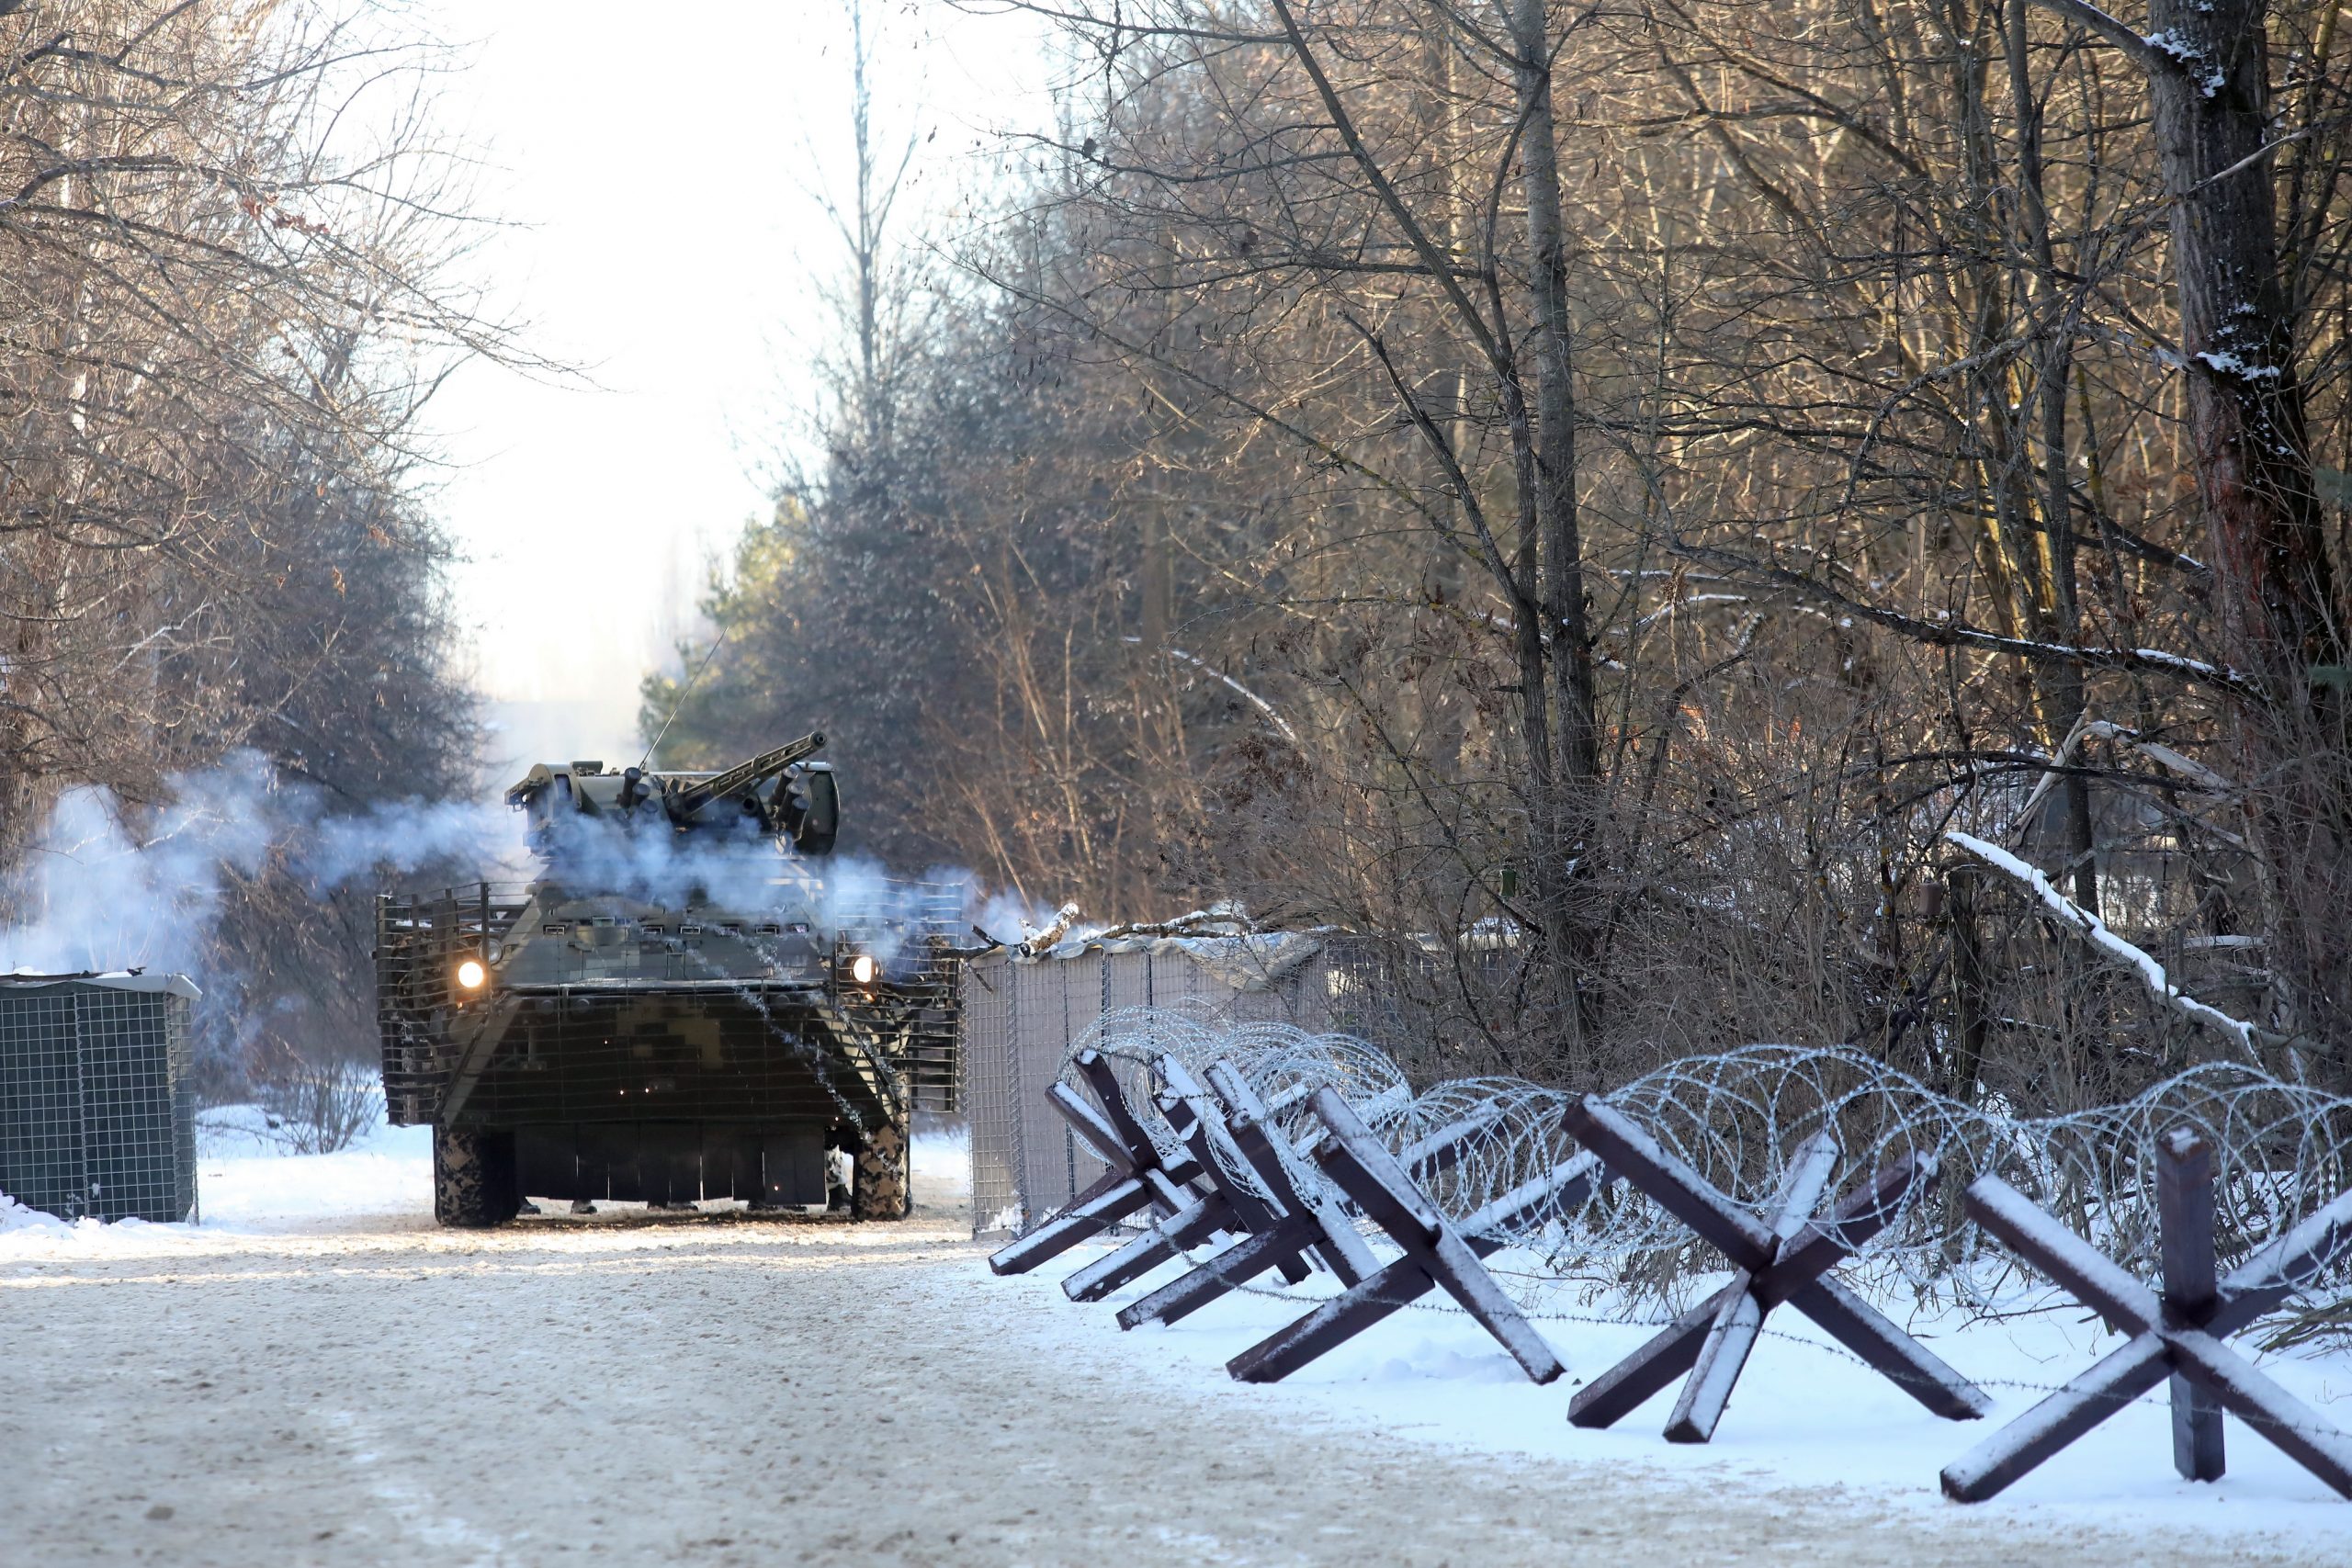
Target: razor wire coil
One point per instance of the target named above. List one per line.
(2280, 1150)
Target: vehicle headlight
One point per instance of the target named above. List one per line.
(861, 969)
(470, 975)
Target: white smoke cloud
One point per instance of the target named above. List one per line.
(98, 894)
(107, 887)
(1009, 918)
(643, 858)
(401, 836)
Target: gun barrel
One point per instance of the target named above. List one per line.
(743, 776)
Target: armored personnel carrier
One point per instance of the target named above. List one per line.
(687, 1004)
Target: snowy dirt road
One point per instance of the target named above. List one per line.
(369, 1389)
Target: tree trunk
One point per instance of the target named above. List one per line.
(1565, 826)
(2208, 83)
(1550, 338)
(2061, 685)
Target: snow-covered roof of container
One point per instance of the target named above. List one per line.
(113, 979)
(1241, 959)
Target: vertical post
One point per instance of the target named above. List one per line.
(2185, 1209)
(1070, 1139)
(1028, 1205)
(79, 1156)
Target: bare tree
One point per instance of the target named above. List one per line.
(226, 297)
(1595, 499)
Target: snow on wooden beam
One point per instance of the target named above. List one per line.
(1786, 1261)
(2180, 1335)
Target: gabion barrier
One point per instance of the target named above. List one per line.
(97, 1119)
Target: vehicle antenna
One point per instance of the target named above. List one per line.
(679, 699)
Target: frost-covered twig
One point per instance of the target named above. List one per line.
(2111, 28)
(2049, 775)
(2095, 932)
(2196, 775)
(1677, 606)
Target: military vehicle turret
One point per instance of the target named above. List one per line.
(685, 1004)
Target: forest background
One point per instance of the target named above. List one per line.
(1593, 499)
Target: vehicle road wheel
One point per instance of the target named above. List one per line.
(474, 1177)
(881, 1189)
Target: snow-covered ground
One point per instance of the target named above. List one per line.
(246, 1185)
(1806, 1413)
(318, 1374)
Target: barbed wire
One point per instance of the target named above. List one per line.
(2280, 1150)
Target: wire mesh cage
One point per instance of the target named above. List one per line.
(97, 1117)
(1022, 1015)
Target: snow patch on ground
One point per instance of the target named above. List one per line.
(14, 1216)
(942, 1158)
(1806, 1413)
(245, 1185)
(389, 1171)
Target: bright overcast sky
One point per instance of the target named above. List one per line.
(661, 159)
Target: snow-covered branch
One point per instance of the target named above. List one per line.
(2196, 773)
(2090, 926)
(1034, 943)
(1955, 634)
(1253, 698)
(2128, 38)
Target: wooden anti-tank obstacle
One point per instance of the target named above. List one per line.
(1303, 1216)
(1140, 1177)
(1786, 1262)
(2178, 1334)
(1304, 1219)
(1228, 1207)
(1438, 1252)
